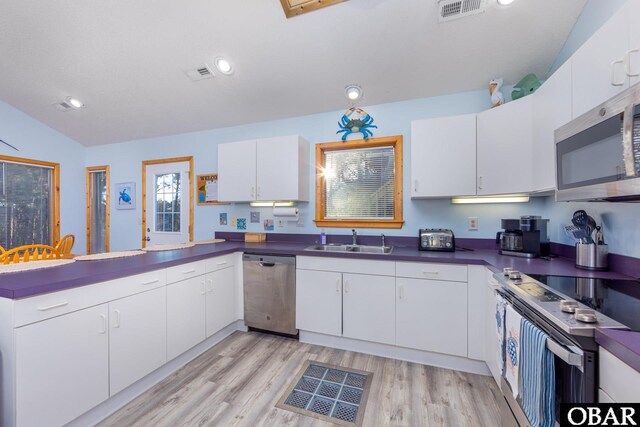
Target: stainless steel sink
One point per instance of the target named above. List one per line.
(365, 249)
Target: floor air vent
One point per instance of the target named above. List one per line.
(456, 9)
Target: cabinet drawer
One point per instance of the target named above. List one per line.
(347, 265)
(41, 307)
(617, 379)
(432, 271)
(220, 262)
(185, 271)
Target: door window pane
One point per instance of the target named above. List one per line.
(98, 212)
(167, 204)
(25, 205)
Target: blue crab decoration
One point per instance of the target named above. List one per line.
(356, 120)
(124, 197)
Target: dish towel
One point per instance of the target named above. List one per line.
(512, 348)
(538, 377)
(501, 304)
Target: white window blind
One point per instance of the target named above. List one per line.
(359, 183)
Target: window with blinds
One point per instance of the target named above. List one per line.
(359, 183)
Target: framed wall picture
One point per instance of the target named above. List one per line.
(207, 189)
(126, 195)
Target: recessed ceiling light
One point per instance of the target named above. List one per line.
(505, 2)
(353, 92)
(223, 65)
(74, 102)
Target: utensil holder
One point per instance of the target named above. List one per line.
(590, 256)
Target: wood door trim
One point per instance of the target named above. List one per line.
(104, 168)
(145, 163)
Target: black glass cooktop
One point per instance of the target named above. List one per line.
(617, 299)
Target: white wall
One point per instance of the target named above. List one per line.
(38, 141)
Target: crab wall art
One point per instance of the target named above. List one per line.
(356, 120)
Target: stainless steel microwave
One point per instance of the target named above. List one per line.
(598, 153)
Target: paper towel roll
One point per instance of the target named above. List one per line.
(285, 212)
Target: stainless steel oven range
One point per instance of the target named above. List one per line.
(568, 309)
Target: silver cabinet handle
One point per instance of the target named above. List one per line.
(415, 185)
(150, 282)
(51, 307)
(210, 283)
(400, 292)
(253, 192)
(434, 272)
(627, 63)
(221, 263)
(202, 288)
(627, 142)
(103, 324)
(480, 182)
(258, 193)
(613, 73)
(338, 285)
(116, 323)
(193, 270)
(346, 286)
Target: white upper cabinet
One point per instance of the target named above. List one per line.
(443, 157)
(282, 169)
(504, 145)
(267, 169)
(632, 8)
(599, 65)
(551, 110)
(237, 171)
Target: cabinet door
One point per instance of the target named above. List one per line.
(369, 309)
(237, 171)
(62, 367)
(551, 110)
(137, 337)
(185, 315)
(319, 301)
(598, 66)
(431, 315)
(443, 157)
(632, 10)
(505, 138)
(221, 300)
(279, 164)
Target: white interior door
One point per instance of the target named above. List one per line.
(167, 203)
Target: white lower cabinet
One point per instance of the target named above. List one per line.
(185, 315)
(431, 315)
(618, 381)
(319, 301)
(220, 300)
(62, 367)
(368, 308)
(137, 337)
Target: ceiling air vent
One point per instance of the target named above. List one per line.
(455, 9)
(63, 106)
(201, 73)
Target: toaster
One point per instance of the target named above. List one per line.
(436, 239)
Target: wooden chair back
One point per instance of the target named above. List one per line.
(65, 244)
(29, 253)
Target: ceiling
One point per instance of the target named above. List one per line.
(126, 60)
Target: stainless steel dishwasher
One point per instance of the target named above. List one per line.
(270, 292)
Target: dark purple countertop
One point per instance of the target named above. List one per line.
(80, 273)
(625, 345)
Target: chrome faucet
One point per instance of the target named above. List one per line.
(354, 237)
(382, 239)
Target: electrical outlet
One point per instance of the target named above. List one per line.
(473, 223)
(280, 222)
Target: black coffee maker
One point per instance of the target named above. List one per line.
(525, 237)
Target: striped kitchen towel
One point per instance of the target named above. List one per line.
(501, 304)
(538, 377)
(512, 348)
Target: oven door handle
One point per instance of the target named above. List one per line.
(567, 356)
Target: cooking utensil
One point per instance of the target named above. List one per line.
(582, 220)
(576, 233)
(599, 237)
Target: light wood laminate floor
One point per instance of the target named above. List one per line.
(238, 382)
